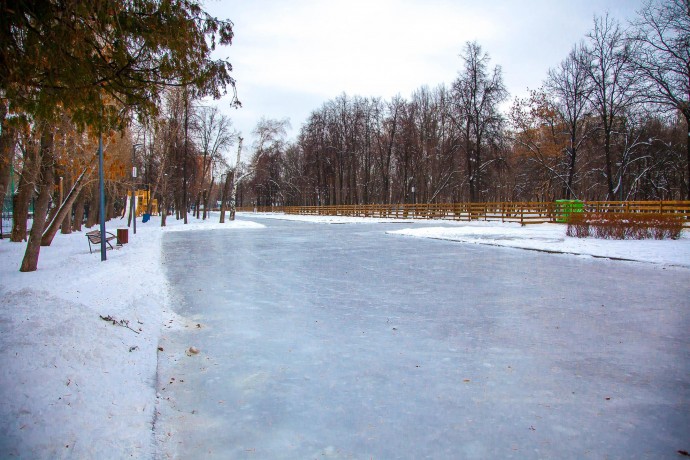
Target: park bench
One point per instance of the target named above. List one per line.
(95, 238)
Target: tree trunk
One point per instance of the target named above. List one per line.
(470, 170)
(109, 207)
(204, 201)
(571, 173)
(610, 194)
(223, 199)
(79, 212)
(94, 204)
(46, 184)
(163, 210)
(233, 194)
(235, 181)
(66, 227)
(687, 146)
(25, 191)
(207, 198)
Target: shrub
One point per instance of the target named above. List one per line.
(623, 226)
(578, 225)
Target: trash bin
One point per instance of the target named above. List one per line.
(123, 235)
(564, 208)
(145, 218)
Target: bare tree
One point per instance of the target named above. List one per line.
(608, 60)
(662, 32)
(478, 93)
(214, 136)
(236, 178)
(268, 147)
(570, 90)
(385, 141)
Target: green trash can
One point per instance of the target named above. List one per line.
(566, 207)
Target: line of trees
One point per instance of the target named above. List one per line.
(610, 122)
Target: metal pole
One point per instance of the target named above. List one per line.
(101, 187)
(132, 201)
(134, 215)
(131, 197)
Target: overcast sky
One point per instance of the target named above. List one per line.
(291, 56)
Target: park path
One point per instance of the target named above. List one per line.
(339, 341)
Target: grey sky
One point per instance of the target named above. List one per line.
(291, 56)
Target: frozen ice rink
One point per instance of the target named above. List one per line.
(339, 341)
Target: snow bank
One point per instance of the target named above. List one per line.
(552, 238)
(73, 384)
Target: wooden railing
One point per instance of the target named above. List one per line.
(522, 212)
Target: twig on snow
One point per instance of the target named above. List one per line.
(122, 322)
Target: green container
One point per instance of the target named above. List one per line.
(566, 207)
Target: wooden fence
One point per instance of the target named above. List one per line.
(522, 212)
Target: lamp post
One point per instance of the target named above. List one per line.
(132, 202)
(101, 191)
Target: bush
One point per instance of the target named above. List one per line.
(624, 226)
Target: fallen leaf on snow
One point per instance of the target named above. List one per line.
(192, 351)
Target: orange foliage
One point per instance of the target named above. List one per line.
(539, 131)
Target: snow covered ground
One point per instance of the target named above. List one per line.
(73, 385)
(552, 238)
(77, 386)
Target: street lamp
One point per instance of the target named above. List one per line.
(101, 192)
(132, 213)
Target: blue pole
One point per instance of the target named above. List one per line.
(102, 193)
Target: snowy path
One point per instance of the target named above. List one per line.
(339, 341)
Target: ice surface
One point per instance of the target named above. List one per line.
(344, 342)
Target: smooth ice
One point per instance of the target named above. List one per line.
(339, 341)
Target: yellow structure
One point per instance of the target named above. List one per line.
(141, 202)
